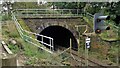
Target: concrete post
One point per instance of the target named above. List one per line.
(9, 60)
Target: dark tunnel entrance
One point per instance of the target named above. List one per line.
(60, 35)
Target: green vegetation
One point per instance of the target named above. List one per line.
(29, 50)
(25, 5)
(112, 34)
(93, 8)
(9, 31)
(89, 20)
(0, 17)
(14, 48)
(6, 17)
(23, 25)
(109, 50)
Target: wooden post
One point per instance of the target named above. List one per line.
(70, 45)
(6, 48)
(0, 62)
(86, 54)
(71, 49)
(0, 56)
(9, 60)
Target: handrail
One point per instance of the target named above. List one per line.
(41, 13)
(21, 30)
(47, 9)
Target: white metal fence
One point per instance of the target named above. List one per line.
(48, 12)
(22, 31)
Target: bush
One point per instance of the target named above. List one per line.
(13, 48)
(6, 17)
(13, 34)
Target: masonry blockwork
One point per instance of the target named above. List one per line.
(61, 37)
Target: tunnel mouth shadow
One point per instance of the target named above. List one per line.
(61, 37)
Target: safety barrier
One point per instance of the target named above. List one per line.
(22, 31)
(48, 12)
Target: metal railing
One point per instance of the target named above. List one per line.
(48, 12)
(22, 31)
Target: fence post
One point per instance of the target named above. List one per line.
(50, 45)
(6, 60)
(62, 11)
(42, 38)
(70, 45)
(77, 11)
(46, 11)
(71, 49)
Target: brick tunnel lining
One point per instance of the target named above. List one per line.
(61, 37)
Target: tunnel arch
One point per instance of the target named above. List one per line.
(61, 37)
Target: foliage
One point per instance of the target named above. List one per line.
(29, 49)
(24, 5)
(8, 30)
(13, 48)
(100, 47)
(93, 8)
(110, 8)
(23, 25)
(6, 17)
(106, 8)
(69, 5)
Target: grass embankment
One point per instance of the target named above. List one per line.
(33, 54)
(112, 34)
(89, 20)
(42, 55)
(109, 51)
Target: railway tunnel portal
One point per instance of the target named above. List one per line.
(60, 35)
(61, 30)
(60, 27)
